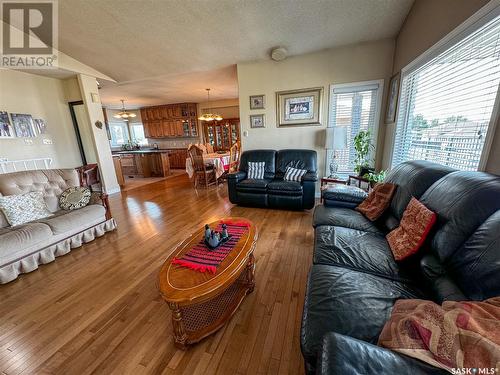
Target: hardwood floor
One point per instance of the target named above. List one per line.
(97, 310)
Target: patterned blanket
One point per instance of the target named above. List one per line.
(455, 335)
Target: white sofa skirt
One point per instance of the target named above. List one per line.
(46, 255)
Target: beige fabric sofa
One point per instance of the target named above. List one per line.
(24, 247)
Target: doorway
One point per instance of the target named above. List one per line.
(83, 132)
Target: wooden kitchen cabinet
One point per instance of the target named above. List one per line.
(178, 158)
(145, 164)
(171, 120)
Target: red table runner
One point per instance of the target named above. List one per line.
(200, 258)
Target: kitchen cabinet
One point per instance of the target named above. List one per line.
(178, 158)
(222, 134)
(145, 164)
(170, 120)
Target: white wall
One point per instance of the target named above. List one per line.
(44, 98)
(354, 63)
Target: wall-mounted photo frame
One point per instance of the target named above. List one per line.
(23, 125)
(257, 121)
(299, 107)
(257, 101)
(6, 129)
(40, 126)
(392, 103)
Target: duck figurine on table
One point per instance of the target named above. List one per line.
(214, 239)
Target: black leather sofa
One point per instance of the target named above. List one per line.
(273, 191)
(354, 280)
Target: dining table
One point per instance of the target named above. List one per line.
(220, 161)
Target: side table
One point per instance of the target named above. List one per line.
(330, 180)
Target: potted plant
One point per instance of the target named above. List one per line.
(362, 146)
(375, 178)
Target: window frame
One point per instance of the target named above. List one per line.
(484, 15)
(378, 110)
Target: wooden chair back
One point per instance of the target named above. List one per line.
(234, 157)
(210, 148)
(196, 156)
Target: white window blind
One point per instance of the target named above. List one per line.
(352, 108)
(446, 104)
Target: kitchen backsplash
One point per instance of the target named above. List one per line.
(172, 143)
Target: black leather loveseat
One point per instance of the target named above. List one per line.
(273, 191)
(354, 280)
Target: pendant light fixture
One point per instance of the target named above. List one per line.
(124, 114)
(209, 116)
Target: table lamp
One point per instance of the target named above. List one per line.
(335, 140)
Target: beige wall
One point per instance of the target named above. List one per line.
(355, 63)
(44, 98)
(428, 22)
(228, 108)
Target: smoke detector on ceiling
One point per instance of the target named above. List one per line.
(278, 54)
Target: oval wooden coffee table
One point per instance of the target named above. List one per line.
(201, 303)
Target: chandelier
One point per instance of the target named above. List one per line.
(124, 114)
(209, 116)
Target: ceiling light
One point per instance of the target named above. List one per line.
(124, 114)
(209, 116)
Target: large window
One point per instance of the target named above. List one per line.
(121, 133)
(353, 107)
(447, 103)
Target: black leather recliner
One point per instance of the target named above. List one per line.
(355, 281)
(273, 191)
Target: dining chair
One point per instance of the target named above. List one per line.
(210, 148)
(234, 160)
(234, 157)
(203, 174)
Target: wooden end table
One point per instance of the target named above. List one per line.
(202, 303)
(329, 180)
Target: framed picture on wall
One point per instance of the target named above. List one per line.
(257, 121)
(6, 130)
(392, 103)
(23, 125)
(299, 107)
(257, 101)
(40, 126)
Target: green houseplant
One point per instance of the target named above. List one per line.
(362, 147)
(375, 178)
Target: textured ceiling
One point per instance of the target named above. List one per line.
(164, 51)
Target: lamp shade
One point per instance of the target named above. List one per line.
(336, 138)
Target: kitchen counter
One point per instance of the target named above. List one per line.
(147, 151)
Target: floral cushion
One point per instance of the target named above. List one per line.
(413, 229)
(23, 208)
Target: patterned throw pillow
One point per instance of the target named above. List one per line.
(74, 198)
(413, 229)
(256, 170)
(377, 201)
(23, 208)
(294, 174)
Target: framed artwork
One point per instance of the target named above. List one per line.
(40, 126)
(23, 125)
(390, 114)
(6, 130)
(257, 101)
(299, 107)
(257, 121)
